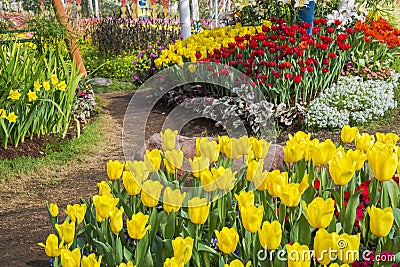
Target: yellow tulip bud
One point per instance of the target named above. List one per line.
(320, 212)
(173, 262)
(208, 181)
(104, 188)
(227, 239)
(91, 261)
(291, 193)
(244, 199)
(270, 235)
(337, 265)
(347, 247)
(114, 169)
(275, 182)
(389, 138)
(225, 145)
(104, 205)
(358, 157)
(138, 169)
(342, 169)
(252, 166)
(383, 161)
(381, 221)
(260, 147)
(71, 258)
(76, 212)
(131, 184)
(364, 142)
(198, 210)
(322, 152)
(260, 179)
(198, 165)
(137, 225)
(224, 178)
(237, 263)
(172, 199)
(52, 248)
(298, 255)
(240, 147)
(168, 139)
(348, 134)
(151, 192)
(183, 248)
(152, 159)
(66, 231)
(323, 243)
(116, 220)
(173, 160)
(293, 151)
(53, 209)
(209, 149)
(252, 217)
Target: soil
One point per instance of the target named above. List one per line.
(24, 220)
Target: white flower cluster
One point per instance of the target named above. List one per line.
(352, 101)
(348, 11)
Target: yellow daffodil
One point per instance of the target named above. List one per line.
(46, 86)
(32, 96)
(37, 86)
(151, 192)
(270, 235)
(137, 225)
(320, 212)
(227, 239)
(14, 95)
(3, 113)
(54, 79)
(381, 220)
(172, 199)
(61, 86)
(198, 210)
(12, 117)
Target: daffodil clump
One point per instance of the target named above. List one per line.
(229, 209)
(36, 93)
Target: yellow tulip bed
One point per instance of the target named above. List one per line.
(330, 205)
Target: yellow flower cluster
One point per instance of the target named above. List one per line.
(54, 81)
(11, 117)
(204, 42)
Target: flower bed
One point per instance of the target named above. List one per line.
(219, 213)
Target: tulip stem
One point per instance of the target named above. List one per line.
(341, 205)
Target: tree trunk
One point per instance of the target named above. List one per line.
(69, 40)
(184, 14)
(196, 15)
(96, 8)
(90, 8)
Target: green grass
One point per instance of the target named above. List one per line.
(115, 86)
(68, 151)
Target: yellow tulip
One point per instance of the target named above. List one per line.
(323, 247)
(208, 181)
(131, 184)
(322, 152)
(209, 149)
(298, 255)
(173, 262)
(138, 169)
(53, 209)
(337, 265)
(198, 210)
(291, 193)
(300, 137)
(104, 188)
(71, 258)
(116, 220)
(173, 160)
(252, 166)
(225, 145)
(172, 199)
(381, 221)
(198, 165)
(293, 151)
(224, 178)
(320, 212)
(342, 170)
(91, 261)
(137, 225)
(52, 248)
(240, 147)
(183, 248)
(114, 169)
(227, 239)
(260, 147)
(260, 179)
(168, 139)
(252, 217)
(244, 199)
(270, 235)
(66, 231)
(348, 134)
(389, 138)
(364, 142)
(383, 161)
(358, 157)
(104, 205)
(151, 192)
(275, 182)
(346, 246)
(76, 212)
(152, 159)
(237, 263)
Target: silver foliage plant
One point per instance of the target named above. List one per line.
(353, 101)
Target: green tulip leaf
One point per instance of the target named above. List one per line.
(157, 247)
(204, 248)
(394, 192)
(107, 251)
(118, 251)
(170, 226)
(127, 254)
(142, 248)
(147, 260)
(350, 214)
(396, 214)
